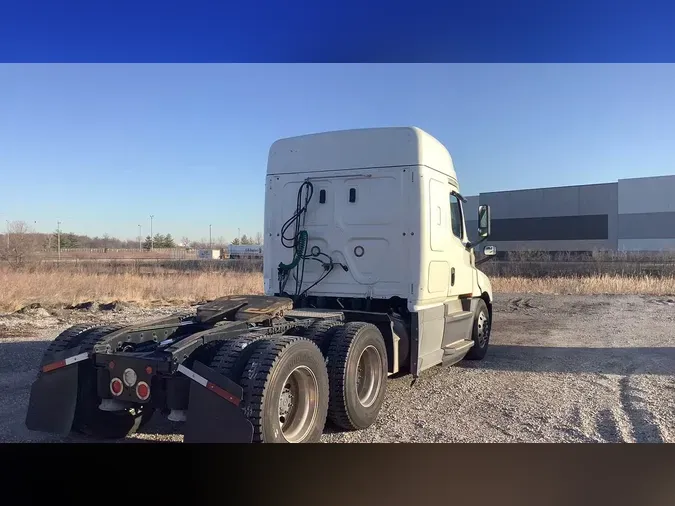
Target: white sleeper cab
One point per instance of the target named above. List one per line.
(386, 232)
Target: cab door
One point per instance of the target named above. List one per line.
(461, 271)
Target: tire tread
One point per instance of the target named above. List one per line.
(67, 339)
(233, 354)
(322, 332)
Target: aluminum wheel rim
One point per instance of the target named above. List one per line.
(298, 404)
(368, 376)
(483, 328)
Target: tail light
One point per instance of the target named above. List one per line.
(116, 386)
(142, 390)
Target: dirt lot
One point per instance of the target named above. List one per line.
(560, 369)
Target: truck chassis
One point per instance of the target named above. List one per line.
(241, 369)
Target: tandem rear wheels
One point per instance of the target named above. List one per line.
(292, 385)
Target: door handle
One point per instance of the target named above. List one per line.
(452, 277)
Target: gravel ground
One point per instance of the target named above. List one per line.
(559, 369)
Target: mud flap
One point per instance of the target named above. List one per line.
(214, 415)
(53, 395)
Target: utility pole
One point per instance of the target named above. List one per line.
(210, 242)
(7, 236)
(58, 239)
(239, 235)
(140, 238)
(152, 237)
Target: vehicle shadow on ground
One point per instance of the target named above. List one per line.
(547, 359)
(331, 428)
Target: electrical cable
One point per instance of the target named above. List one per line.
(298, 243)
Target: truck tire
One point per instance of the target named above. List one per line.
(357, 371)
(286, 391)
(321, 333)
(91, 421)
(480, 332)
(233, 355)
(67, 339)
(299, 331)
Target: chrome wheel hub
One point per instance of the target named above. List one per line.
(298, 404)
(369, 376)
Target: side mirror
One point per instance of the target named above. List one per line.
(489, 251)
(483, 221)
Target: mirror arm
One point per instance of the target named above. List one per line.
(483, 260)
(470, 245)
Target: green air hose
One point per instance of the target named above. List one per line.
(298, 243)
(298, 253)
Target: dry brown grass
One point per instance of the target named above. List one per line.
(63, 287)
(591, 285)
(55, 287)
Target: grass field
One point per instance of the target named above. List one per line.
(590, 285)
(52, 287)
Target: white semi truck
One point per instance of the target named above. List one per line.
(368, 272)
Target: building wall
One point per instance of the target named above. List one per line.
(631, 214)
(646, 213)
(572, 218)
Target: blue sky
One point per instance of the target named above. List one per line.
(100, 147)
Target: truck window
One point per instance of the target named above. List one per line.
(456, 216)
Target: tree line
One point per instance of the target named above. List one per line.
(20, 241)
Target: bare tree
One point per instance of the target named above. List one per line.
(258, 238)
(20, 244)
(200, 244)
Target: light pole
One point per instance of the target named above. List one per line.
(7, 236)
(210, 242)
(140, 237)
(58, 239)
(152, 238)
(239, 235)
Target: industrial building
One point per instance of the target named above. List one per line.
(636, 214)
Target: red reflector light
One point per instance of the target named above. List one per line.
(148, 370)
(223, 393)
(142, 390)
(111, 364)
(55, 365)
(116, 386)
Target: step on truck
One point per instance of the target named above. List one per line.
(368, 273)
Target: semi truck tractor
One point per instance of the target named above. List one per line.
(368, 272)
